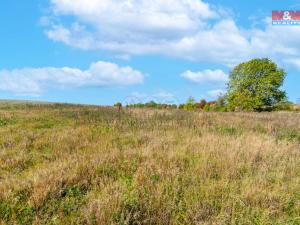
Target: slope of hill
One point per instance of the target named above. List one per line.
(64, 164)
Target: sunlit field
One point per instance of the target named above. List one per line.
(67, 164)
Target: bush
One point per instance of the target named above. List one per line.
(152, 104)
(181, 106)
(118, 104)
(190, 104)
(206, 108)
(221, 109)
(286, 106)
(3, 122)
(202, 103)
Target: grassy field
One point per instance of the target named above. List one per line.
(64, 164)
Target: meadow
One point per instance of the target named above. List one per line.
(71, 164)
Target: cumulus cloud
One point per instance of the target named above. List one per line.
(293, 62)
(189, 29)
(116, 23)
(163, 18)
(33, 81)
(206, 77)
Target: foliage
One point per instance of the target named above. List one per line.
(254, 85)
(202, 103)
(190, 104)
(118, 105)
(152, 104)
(206, 108)
(221, 101)
(283, 106)
(181, 106)
(3, 122)
(219, 105)
(289, 135)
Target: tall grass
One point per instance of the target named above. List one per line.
(64, 164)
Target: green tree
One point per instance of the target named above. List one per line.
(151, 104)
(118, 105)
(181, 106)
(221, 101)
(255, 85)
(221, 104)
(190, 104)
(202, 103)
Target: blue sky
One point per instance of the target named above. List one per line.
(105, 51)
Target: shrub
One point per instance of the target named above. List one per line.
(190, 104)
(181, 106)
(284, 105)
(206, 108)
(202, 103)
(3, 122)
(152, 104)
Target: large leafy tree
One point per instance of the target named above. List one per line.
(255, 85)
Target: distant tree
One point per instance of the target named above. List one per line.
(202, 103)
(174, 106)
(212, 103)
(118, 105)
(151, 104)
(190, 104)
(220, 105)
(221, 101)
(181, 106)
(255, 85)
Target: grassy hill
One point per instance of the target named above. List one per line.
(66, 164)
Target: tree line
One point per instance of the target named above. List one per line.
(254, 85)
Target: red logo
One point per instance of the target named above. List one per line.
(286, 15)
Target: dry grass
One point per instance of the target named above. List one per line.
(63, 164)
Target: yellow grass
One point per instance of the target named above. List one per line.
(63, 164)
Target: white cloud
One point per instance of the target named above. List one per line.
(189, 29)
(131, 26)
(206, 77)
(74, 36)
(216, 93)
(130, 22)
(33, 81)
(293, 62)
(143, 17)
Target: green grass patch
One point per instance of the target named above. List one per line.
(227, 130)
(288, 135)
(4, 122)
